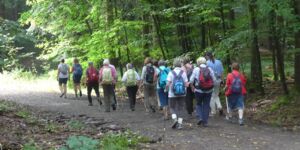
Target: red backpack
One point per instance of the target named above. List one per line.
(93, 75)
(205, 80)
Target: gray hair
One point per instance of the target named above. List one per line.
(162, 63)
(106, 62)
(177, 62)
(129, 66)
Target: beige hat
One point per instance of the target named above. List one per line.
(201, 60)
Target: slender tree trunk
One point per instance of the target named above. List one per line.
(145, 35)
(203, 36)
(227, 61)
(280, 57)
(272, 31)
(157, 28)
(256, 72)
(297, 46)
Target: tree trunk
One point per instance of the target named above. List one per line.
(160, 42)
(256, 72)
(272, 31)
(203, 36)
(280, 57)
(227, 61)
(145, 35)
(297, 46)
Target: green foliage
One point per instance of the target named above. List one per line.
(6, 106)
(121, 141)
(30, 146)
(51, 127)
(80, 143)
(75, 125)
(23, 114)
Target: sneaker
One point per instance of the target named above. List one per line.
(62, 95)
(179, 126)
(174, 125)
(241, 122)
(221, 113)
(199, 122)
(80, 93)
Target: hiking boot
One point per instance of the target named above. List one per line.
(90, 104)
(199, 122)
(62, 95)
(80, 93)
(174, 125)
(114, 107)
(100, 102)
(179, 126)
(241, 122)
(152, 109)
(221, 113)
(132, 109)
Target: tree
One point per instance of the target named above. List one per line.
(297, 46)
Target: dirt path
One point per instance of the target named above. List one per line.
(220, 135)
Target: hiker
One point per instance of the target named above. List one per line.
(131, 80)
(217, 67)
(92, 82)
(161, 85)
(188, 69)
(235, 92)
(202, 83)
(114, 102)
(107, 77)
(176, 87)
(149, 77)
(77, 74)
(156, 67)
(63, 76)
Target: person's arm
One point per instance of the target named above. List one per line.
(124, 78)
(100, 75)
(57, 76)
(192, 80)
(169, 81)
(212, 74)
(185, 79)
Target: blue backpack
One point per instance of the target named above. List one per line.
(163, 74)
(236, 86)
(77, 70)
(178, 84)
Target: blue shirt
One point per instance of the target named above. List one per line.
(217, 67)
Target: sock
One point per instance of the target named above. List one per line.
(241, 112)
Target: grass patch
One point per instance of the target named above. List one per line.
(80, 143)
(6, 106)
(23, 114)
(52, 127)
(75, 125)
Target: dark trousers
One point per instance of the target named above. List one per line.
(189, 100)
(131, 92)
(203, 107)
(90, 87)
(108, 91)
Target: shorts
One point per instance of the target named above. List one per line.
(62, 81)
(76, 79)
(236, 101)
(163, 97)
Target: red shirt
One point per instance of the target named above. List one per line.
(230, 79)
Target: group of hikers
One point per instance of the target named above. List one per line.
(169, 90)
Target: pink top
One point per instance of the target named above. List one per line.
(113, 73)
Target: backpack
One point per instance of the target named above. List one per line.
(64, 69)
(205, 80)
(236, 86)
(77, 70)
(178, 86)
(149, 74)
(92, 75)
(163, 74)
(107, 76)
(131, 78)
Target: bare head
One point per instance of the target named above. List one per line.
(177, 62)
(62, 60)
(76, 61)
(91, 64)
(148, 60)
(162, 63)
(129, 66)
(235, 66)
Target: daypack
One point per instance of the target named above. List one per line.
(205, 80)
(64, 69)
(92, 75)
(131, 78)
(77, 70)
(149, 74)
(163, 74)
(178, 84)
(107, 75)
(236, 86)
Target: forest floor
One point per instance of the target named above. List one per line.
(43, 96)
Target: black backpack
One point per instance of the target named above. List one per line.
(150, 74)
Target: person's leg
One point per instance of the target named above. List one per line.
(206, 101)
(112, 96)
(153, 98)
(96, 88)
(146, 97)
(60, 82)
(135, 89)
(106, 93)
(199, 107)
(189, 101)
(180, 108)
(65, 86)
(163, 98)
(240, 106)
(89, 92)
(217, 97)
(130, 96)
(114, 99)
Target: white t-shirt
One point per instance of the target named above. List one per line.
(61, 75)
(195, 76)
(171, 77)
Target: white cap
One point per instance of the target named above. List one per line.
(106, 62)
